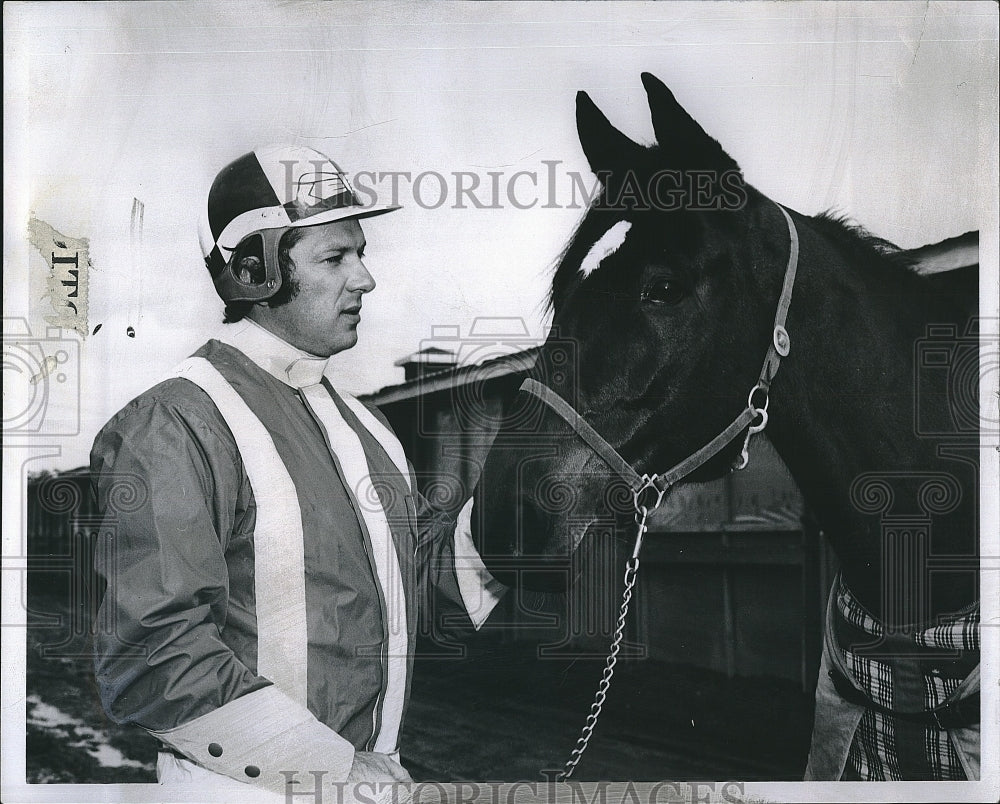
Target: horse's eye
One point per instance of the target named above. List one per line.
(663, 292)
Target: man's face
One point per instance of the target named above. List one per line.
(322, 317)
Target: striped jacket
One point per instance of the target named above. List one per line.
(264, 565)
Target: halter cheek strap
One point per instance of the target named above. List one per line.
(752, 418)
(780, 340)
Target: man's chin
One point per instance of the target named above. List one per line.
(346, 340)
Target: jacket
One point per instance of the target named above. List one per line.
(264, 565)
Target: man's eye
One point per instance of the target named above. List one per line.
(663, 292)
(335, 259)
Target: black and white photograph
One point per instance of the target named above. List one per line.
(566, 402)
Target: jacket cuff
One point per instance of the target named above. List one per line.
(480, 590)
(257, 736)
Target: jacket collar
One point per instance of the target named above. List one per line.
(277, 357)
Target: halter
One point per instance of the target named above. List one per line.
(653, 488)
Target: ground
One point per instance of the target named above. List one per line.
(503, 715)
(497, 714)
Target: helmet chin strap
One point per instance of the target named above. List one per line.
(648, 491)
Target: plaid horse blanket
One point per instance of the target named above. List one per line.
(908, 681)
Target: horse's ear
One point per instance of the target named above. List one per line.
(683, 143)
(605, 147)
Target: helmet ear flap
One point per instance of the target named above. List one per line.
(248, 266)
(252, 272)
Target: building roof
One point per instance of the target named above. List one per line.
(431, 355)
(453, 376)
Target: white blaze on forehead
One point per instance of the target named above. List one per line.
(608, 243)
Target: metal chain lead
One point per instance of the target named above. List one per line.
(631, 571)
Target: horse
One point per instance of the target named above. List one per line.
(679, 282)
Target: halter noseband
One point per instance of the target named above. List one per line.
(753, 416)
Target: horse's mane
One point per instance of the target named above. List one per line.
(958, 286)
(861, 244)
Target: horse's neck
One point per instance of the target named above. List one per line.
(842, 417)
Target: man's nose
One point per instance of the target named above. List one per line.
(361, 280)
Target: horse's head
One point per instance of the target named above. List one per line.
(662, 312)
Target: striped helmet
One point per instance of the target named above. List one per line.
(254, 200)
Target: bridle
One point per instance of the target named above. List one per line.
(649, 491)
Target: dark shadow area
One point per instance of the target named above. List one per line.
(503, 714)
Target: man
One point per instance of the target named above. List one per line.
(263, 573)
